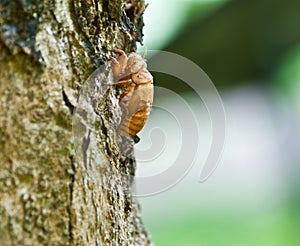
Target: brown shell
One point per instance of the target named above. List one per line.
(132, 74)
(136, 111)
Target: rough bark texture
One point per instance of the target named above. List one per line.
(50, 194)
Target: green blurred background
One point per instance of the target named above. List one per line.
(251, 51)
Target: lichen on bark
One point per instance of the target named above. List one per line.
(48, 193)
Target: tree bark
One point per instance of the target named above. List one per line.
(51, 194)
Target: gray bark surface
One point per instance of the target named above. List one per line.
(51, 194)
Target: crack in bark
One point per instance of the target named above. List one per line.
(69, 208)
(85, 146)
(67, 101)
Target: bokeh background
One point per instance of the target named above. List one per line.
(251, 51)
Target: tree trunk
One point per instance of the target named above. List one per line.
(49, 193)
